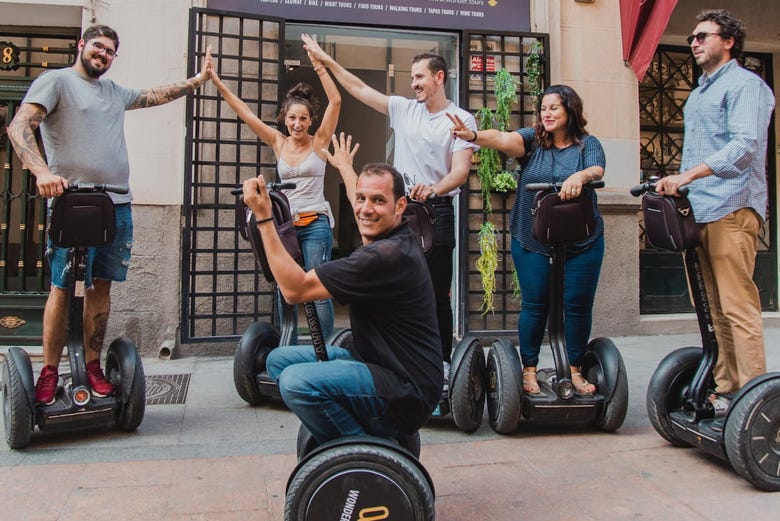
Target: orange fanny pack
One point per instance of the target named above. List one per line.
(304, 218)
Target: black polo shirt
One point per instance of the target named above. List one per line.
(393, 318)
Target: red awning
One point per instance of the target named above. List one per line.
(643, 22)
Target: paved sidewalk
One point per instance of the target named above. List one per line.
(215, 458)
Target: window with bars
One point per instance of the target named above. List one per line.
(671, 77)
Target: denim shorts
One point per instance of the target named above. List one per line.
(109, 262)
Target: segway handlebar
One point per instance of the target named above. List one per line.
(97, 187)
(649, 186)
(271, 186)
(535, 187)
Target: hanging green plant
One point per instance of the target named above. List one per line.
(533, 70)
(487, 264)
(489, 161)
(516, 294)
(506, 95)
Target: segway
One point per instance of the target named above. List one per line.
(464, 396)
(748, 435)
(250, 377)
(557, 403)
(363, 477)
(82, 217)
(358, 477)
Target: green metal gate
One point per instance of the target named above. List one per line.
(669, 80)
(24, 275)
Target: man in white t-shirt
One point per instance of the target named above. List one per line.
(432, 159)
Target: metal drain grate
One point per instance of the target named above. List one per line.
(165, 389)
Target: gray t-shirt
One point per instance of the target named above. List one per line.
(83, 132)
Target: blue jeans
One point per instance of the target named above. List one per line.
(332, 399)
(109, 262)
(316, 241)
(579, 292)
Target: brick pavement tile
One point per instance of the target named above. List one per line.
(21, 491)
(221, 485)
(115, 504)
(126, 474)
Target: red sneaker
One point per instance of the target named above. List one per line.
(46, 386)
(101, 387)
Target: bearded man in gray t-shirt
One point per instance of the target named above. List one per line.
(81, 120)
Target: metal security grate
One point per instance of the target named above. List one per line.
(223, 292)
(24, 273)
(487, 54)
(167, 389)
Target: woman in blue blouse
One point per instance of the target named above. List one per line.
(559, 149)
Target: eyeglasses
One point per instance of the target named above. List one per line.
(110, 53)
(700, 37)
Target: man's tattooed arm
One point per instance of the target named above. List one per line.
(165, 93)
(21, 131)
(168, 93)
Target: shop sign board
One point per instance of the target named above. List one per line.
(492, 15)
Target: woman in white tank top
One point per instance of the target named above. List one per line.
(300, 160)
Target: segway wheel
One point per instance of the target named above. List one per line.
(306, 443)
(467, 387)
(359, 481)
(752, 435)
(504, 389)
(608, 373)
(249, 360)
(18, 412)
(126, 372)
(341, 338)
(667, 389)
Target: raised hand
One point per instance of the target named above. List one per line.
(459, 129)
(342, 157)
(205, 71)
(314, 50)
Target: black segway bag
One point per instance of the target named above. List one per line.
(669, 222)
(555, 221)
(282, 218)
(421, 219)
(82, 219)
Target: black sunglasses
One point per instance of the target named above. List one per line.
(700, 37)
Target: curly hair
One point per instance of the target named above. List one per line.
(730, 27)
(572, 104)
(300, 94)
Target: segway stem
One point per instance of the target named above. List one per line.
(697, 394)
(316, 331)
(555, 322)
(77, 258)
